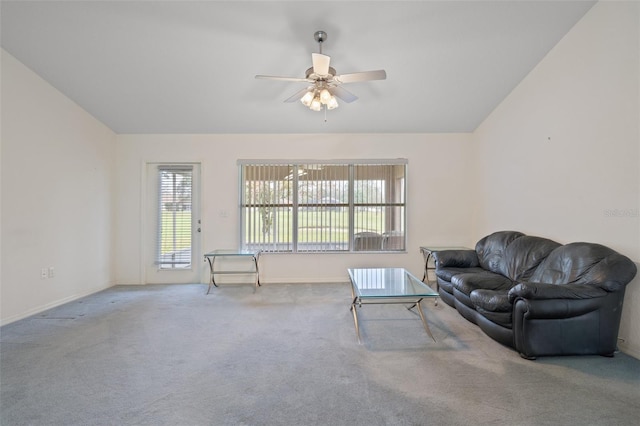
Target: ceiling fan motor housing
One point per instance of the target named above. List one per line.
(310, 74)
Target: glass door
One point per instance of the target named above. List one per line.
(172, 224)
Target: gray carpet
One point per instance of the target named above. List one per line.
(288, 355)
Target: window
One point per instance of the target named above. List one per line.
(318, 206)
(174, 216)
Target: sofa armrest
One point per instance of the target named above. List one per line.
(456, 259)
(543, 291)
(567, 326)
(555, 308)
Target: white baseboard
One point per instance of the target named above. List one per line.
(53, 304)
(629, 350)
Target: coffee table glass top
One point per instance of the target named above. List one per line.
(388, 283)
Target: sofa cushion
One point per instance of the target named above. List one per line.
(466, 283)
(585, 263)
(445, 285)
(523, 255)
(491, 250)
(504, 319)
(492, 300)
(448, 273)
(494, 306)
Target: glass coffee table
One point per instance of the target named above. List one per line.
(388, 286)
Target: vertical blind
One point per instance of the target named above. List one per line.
(175, 222)
(323, 206)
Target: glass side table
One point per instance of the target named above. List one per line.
(210, 257)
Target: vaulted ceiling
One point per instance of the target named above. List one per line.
(189, 67)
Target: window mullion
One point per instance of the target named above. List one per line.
(294, 210)
(351, 214)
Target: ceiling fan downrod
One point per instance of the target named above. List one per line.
(320, 36)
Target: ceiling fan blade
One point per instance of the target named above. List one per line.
(361, 76)
(343, 94)
(274, 77)
(320, 64)
(296, 96)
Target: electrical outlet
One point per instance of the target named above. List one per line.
(43, 273)
(52, 272)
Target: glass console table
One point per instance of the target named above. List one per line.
(251, 254)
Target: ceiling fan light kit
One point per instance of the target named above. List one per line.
(315, 98)
(325, 82)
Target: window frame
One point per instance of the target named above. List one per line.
(295, 205)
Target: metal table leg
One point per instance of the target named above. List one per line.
(353, 310)
(427, 256)
(355, 318)
(255, 262)
(424, 321)
(212, 280)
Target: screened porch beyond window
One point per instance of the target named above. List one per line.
(335, 206)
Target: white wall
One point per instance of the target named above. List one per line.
(57, 191)
(438, 194)
(559, 158)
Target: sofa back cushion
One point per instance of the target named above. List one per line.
(524, 254)
(491, 250)
(581, 263)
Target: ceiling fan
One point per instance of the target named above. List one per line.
(325, 84)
